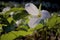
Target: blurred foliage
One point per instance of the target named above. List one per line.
(9, 30)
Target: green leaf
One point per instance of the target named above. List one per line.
(9, 36)
(0, 27)
(6, 14)
(19, 15)
(52, 21)
(9, 19)
(39, 26)
(58, 20)
(14, 34)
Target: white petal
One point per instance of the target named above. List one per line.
(36, 20)
(31, 9)
(33, 22)
(18, 22)
(45, 14)
(11, 13)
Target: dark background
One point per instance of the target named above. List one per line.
(52, 8)
(52, 1)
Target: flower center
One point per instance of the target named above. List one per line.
(39, 15)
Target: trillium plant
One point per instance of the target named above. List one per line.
(6, 9)
(36, 15)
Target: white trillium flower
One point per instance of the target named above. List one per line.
(11, 14)
(33, 10)
(6, 9)
(18, 22)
